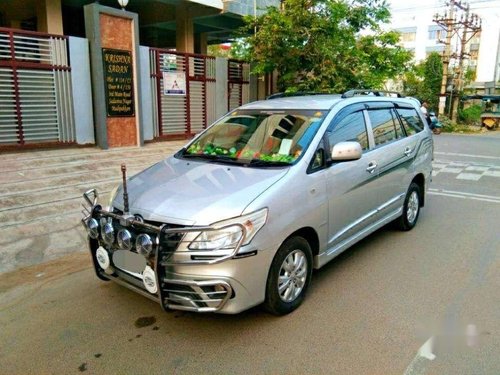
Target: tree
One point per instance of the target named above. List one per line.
(326, 45)
(423, 81)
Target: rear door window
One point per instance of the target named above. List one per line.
(384, 126)
(411, 120)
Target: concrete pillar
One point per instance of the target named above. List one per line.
(81, 90)
(185, 29)
(202, 44)
(221, 96)
(254, 88)
(49, 16)
(115, 62)
(146, 95)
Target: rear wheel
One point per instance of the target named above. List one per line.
(289, 276)
(411, 208)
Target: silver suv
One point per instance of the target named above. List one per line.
(243, 213)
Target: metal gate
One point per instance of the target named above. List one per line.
(188, 108)
(238, 74)
(35, 89)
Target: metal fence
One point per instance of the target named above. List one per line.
(35, 89)
(187, 111)
(189, 107)
(238, 82)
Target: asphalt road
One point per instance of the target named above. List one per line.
(421, 302)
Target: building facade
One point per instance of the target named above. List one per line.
(53, 83)
(420, 35)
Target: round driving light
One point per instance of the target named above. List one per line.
(144, 244)
(93, 228)
(102, 258)
(125, 239)
(108, 234)
(149, 280)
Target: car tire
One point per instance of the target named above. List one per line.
(289, 276)
(411, 209)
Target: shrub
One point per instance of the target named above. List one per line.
(470, 115)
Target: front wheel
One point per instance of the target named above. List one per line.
(411, 208)
(289, 276)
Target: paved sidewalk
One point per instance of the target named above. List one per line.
(41, 195)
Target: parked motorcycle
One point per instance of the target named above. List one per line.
(435, 125)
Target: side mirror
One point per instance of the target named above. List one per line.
(345, 151)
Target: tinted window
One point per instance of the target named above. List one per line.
(399, 129)
(383, 125)
(411, 121)
(349, 128)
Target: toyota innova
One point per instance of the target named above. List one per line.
(246, 210)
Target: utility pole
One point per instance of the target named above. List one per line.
(446, 23)
(469, 25)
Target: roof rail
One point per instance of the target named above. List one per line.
(351, 93)
(298, 93)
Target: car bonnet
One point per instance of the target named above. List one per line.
(190, 192)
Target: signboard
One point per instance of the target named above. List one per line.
(174, 83)
(118, 81)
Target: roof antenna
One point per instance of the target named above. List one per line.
(125, 193)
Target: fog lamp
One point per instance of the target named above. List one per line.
(125, 239)
(144, 244)
(108, 234)
(93, 228)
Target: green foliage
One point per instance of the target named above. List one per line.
(449, 126)
(423, 81)
(317, 45)
(237, 50)
(218, 50)
(470, 115)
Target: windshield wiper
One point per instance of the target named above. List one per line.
(216, 158)
(267, 163)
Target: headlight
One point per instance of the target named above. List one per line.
(230, 232)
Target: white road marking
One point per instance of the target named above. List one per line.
(464, 195)
(477, 169)
(439, 165)
(467, 155)
(426, 350)
(451, 170)
(492, 173)
(469, 176)
(418, 364)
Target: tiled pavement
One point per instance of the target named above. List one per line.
(41, 194)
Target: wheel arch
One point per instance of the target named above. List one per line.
(419, 179)
(310, 235)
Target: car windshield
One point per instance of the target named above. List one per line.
(258, 138)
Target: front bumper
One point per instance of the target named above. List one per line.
(185, 280)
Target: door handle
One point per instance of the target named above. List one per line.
(408, 151)
(371, 166)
